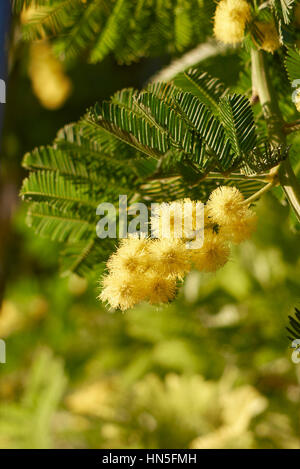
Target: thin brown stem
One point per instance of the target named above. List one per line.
(258, 194)
(290, 127)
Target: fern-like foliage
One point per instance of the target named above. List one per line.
(284, 9)
(208, 89)
(166, 142)
(69, 180)
(27, 424)
(294, 329)
(128, 29)
(292, 64)
(19, 5)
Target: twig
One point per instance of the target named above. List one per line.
(259, 193)
(275, 124)
(291, 127)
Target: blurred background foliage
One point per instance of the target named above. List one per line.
(211, 370)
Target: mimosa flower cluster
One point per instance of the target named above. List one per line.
(231, 19)
(49, 82)
(145, 269)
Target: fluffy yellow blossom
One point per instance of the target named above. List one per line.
(49, 82)
(160, 289)
(159, 221)
(199, 220)
(132, 256)
(225, 204)
(182, 216)
(171, 257)
(144, 269)
(241, 229)
(270, 39)
(230, 20)
(147, 269)
(235, 219)
(122, 290)
(213, 254)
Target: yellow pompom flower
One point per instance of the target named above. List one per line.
(235, 219)
(49, 82)
(225, 205)
(191, 224)
(213, 254)
(170, 257)
(132, 256)
(270, 40)
(122, 290)
(146, 269)
(230, 20)
(160, 289)
(183, 220)
(241, 229)
(159, 220)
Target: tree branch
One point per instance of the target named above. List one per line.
(275, 124)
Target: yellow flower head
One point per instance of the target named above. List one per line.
(270, 39)
(241, 229)
(160, 289)
(170, 257)
(132, 256)
(213, 254)
(159, 221)
(225, 205)
(235, 219)
(122, 291)
(183, 220)
(49, 82)
(230, 20)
